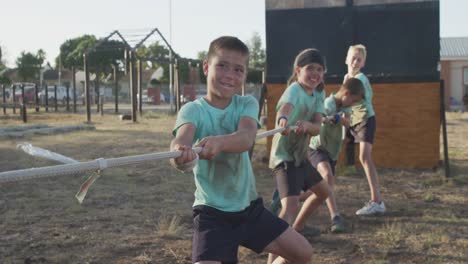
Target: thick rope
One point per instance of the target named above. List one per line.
(100, 164)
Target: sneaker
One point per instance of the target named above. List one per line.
(337, 224)
(372, 208)
(275, 202)
(309, 231)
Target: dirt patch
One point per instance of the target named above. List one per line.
(142, 214)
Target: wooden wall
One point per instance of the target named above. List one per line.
(408, 122)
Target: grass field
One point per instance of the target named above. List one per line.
(142, 214)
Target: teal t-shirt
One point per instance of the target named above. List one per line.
(293, 147)
(226, 182)
(364, 109)
(331, 135)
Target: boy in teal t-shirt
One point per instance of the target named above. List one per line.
(227, 211)
(325, 148)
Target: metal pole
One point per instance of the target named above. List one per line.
(88, 108)
(444, 128)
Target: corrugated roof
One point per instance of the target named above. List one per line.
(454, 47)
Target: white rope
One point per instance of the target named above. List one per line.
(100, 164)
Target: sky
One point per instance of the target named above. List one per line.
(189, 25)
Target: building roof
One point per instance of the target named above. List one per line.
(454, 48)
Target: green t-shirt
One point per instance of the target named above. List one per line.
(293, 147)
(331, 135)
(226, 182)
(363, 109)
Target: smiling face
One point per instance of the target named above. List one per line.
(355, 61)
(225, 72)
(310, 75)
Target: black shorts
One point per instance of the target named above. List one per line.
(318, 155)
(296, 179)
(363, 132)
(217, 234)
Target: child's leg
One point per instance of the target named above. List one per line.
(365, 156)
(326, 171)
(289, 209)
(321, 191)
(293, 248)
(288, 191)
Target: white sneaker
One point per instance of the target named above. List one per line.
(372, 208)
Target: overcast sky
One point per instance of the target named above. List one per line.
(29, 25)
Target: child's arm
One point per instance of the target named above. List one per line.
(237, 142)
(346, 120)
(183, 142)
(310, 127)
(282, 117)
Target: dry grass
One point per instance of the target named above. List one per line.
(142, 214)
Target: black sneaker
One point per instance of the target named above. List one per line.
(310, 231)
(337, 224)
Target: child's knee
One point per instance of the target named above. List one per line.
(305, 255)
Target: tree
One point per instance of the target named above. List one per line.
(201, 55)
(29, 65)
(72, 50)
(257, 52)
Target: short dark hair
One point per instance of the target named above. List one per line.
(355, 86)
(229, 43)
(305, 57)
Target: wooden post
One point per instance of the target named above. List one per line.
(74, 88)
(36, 97)
(116, 88)
(97, 90)
(444, 128)
(132, 85)
(14, 99)
(86, 69)
(23, 112)
(22, 94)
(177, 85)
(55, 98)
(4, 99)
(101, 102)
(140, 93)
(46, 98)
(68, 98)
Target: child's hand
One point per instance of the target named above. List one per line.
(301, 127)
(336, 119)
(212, 146)
(327, 120)
(187, 154)
(283, 122)
(186, 161)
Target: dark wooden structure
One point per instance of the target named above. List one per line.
(402, 40)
